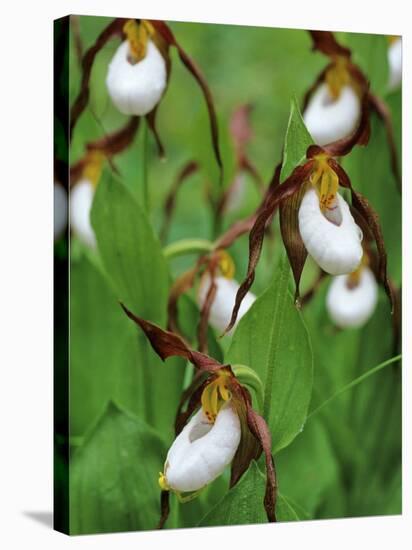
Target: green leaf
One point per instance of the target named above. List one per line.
(273, 340)
(308, 467)
(134, 263)
(113, 476)
(104, 354)
(110, 360)
(130, 252)
(243, 504)
(297, 141)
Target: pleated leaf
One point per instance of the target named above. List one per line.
(113, 476)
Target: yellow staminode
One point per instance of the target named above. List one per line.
(226, 265)
(337, 76)
(137, 35)
(163, 482)
(93, 166)
(353, 279)
(326, 183)
(392, 38)
(215, 395)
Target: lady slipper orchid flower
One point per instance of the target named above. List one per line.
(395, 62)
(338, 104)
(315, 219)
(137, 74)
(60, 210)
(352, 298)
(201, 451)
(81, 198)
(333, 106)
(218, 426)
(328, 118)
(222, 305)
(216, 292)
(85, 175)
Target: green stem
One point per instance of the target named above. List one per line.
(187, 246)
(355, 383)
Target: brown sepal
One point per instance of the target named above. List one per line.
(371, 220)
(164, 508)
(289, 227)
(118, 141)
(249, 448)
(205, 313)
(151, 123)
(361, 204)
(167, 344)
(164, 342)
(113, 29)
(260, 430)
(396, 318)
(109, 145)
(276, 194)
(76, 171)
(325, 42)
(168, 36)
(181, 285)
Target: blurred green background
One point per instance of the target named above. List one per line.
(347, 460)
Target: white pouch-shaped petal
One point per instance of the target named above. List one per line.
(81, 200)
(329, 119)
(352, 307)
(60, 210)
(336, 249)
(221, 309)
(136, 89)
(202, 451)
(395, 64)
